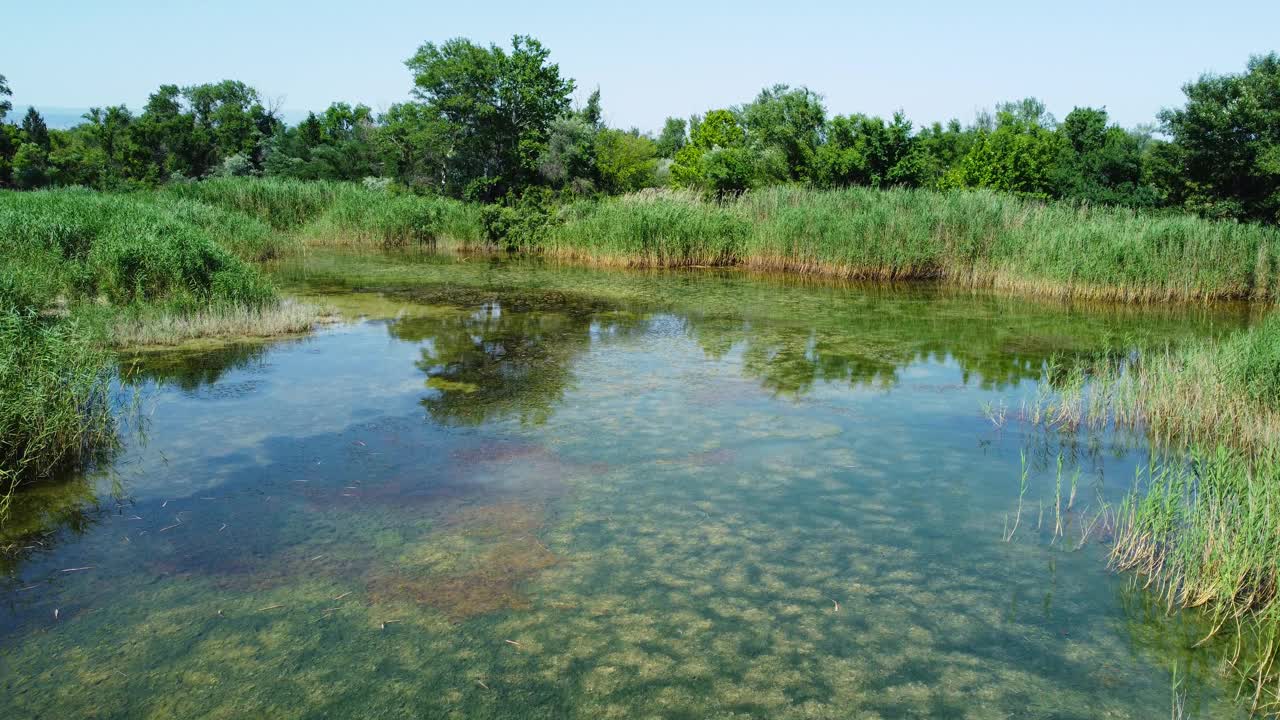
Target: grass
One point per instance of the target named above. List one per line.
(1202, 527)
(66, 259)
(970, 238)
(345, 214)
(54, 408)
(159, 327)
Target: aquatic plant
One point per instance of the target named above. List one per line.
(977, 239)
(334, 213)
(54, 407)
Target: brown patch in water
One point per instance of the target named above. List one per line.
(502, 552)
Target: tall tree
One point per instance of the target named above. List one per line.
(1228, 135)
(791, 121)
(5, 93)
(497, 106)
(36, 129)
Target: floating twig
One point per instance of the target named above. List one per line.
(513, 642)
(78, 569)
(836, 604)
(343, 595)
(481, 684)
(224, 527)
(270, 607)
(169, 527)
(316, 557)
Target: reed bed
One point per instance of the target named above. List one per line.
(978, 239)
(1202, 523)
(66, 259)
(158, 327)
(343, 214)
(54, 408)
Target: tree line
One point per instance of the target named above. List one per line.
(497, 125)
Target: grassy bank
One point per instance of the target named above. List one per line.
(70, 262)
(969, 238)
(342, 214)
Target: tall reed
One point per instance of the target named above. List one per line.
(969, 238)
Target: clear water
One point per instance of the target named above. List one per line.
(529, 492)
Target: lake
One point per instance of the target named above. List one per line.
(511, 489)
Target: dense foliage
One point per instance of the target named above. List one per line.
(496, 125)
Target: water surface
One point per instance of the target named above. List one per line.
(516, 490)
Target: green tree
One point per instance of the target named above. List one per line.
(30, 166)
(1019, 156)
(719, 130)
(497, 107)
(1228, 138)
(35, 128)
(862, 150)
(5, 93)
(672, 138)
(415, 146)
(627, 161)
(790, 121)
(1100, 163)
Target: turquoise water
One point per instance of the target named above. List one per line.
(514, 490)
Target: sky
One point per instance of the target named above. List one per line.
(933, 60)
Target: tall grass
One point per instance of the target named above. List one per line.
(54, 407)
(64, 256)
(67, 245)
(332, 213)
(970, 238)
(1203, 526)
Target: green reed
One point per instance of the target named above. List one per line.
(968, 238)
(69, 259)
(1201, 525)
(334, 213)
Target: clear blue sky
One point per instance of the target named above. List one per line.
(935, 60)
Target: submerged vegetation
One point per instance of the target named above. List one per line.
(205, 183)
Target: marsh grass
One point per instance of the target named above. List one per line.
(975, 239)
(54, 404)
(341, 214)
(67, 258)
(159, 327)
(1201, 525)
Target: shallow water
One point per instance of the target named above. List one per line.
(522, 491)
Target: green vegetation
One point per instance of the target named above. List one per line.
(64, 255)
(54, 408)
(970, 238)
(492, 124)
(340, 213)
(1203, 526)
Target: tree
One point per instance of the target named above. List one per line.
(36, 129)
(1018, 156)
(790, 120)
(592, 113)
(1100, 163)
(497, 108)
(627, 161)
(228, 119)
(416, 146)
(1228, 138)
(5, 93)
(569, 159)
(673, 137)
(30, 167)
(862, 150)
